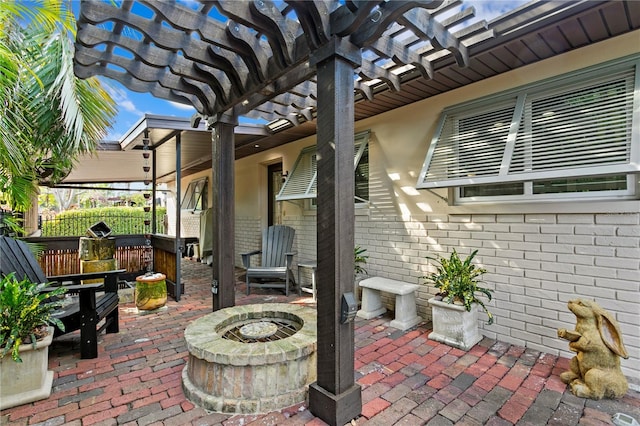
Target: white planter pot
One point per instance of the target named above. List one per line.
(29, 380)
(454, 325)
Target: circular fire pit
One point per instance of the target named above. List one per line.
(252, 358)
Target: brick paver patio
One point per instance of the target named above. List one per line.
(406, 379)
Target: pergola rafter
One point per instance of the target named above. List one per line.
(222, 54)
(297, 62)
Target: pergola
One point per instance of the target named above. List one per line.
(286, 63)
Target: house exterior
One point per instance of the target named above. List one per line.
(532, 159)
(571, 239)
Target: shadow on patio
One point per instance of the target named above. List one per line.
(406, 379)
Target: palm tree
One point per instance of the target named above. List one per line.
(47, 115)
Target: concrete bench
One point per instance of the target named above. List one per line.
(405, 307)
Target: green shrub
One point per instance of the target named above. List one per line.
(121, 220)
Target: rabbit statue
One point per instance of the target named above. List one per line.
(595, 370)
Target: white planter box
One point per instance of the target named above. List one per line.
(29, 380)
(454, 325)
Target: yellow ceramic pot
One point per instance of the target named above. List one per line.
(151, 291)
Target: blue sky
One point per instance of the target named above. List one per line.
(132, 105)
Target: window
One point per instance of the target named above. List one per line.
(302, 181)
(195, 197)
(572, 135)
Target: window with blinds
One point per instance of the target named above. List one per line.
(579, 133)
(302, 181)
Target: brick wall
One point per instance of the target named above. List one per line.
(248, 238)
(535, 264)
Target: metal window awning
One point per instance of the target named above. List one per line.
(302, 183)
(575, 126)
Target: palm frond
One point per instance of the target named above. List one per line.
(47, 115)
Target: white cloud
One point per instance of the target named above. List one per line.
(121, 97)
(181, 106)
(129, 106)
(491, 9)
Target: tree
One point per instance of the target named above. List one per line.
(48, 116)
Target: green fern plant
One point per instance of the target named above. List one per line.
(359, 259)
(25, 313)
(458, 281)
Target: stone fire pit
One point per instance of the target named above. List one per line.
(251, 359)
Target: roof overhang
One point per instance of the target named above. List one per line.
(123, 161)
(535, 31)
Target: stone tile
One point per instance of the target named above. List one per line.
(408, 420)
(565, 415)
(535, 415)
(455, 410)
(497, 421)
(428, 409)
(415, 381)
(396, 392)
(483, 411)
(463, 381)
(421, 394)
(447, 394)
(468, 421)
(498, 395)
(548, 399)
(570, 399)
(512, 411)
(374, 406)
(473, 395)
(439, 421)
(393, 413)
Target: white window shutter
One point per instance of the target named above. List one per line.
(547, 131)
(302, 181)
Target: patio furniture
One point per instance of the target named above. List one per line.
(313, 266)
(277, 260)
(405, 303)
(83, 312)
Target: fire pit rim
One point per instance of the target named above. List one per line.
(205, 342)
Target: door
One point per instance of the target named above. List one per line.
(275, 183)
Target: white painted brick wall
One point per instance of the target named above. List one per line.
(535, 263)
(248, 238)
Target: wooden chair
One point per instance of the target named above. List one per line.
(87, 312)
(277, 260)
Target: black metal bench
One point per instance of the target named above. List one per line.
(88, 305)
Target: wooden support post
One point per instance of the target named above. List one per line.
(178, 246)
(223, 204)
(335, 397)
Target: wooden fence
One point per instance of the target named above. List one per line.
(59, 256)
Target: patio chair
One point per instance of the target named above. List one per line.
(277, 260)
(84, 314)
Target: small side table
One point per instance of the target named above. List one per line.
(313, 265)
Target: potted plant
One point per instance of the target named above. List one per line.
(454, 308)
(25, 335)
(359, 259)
